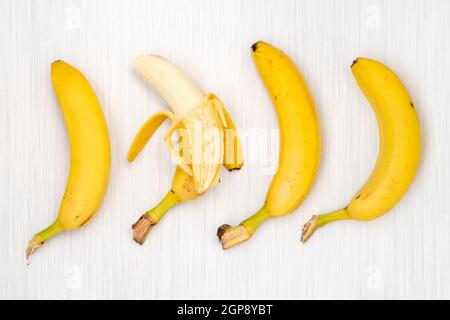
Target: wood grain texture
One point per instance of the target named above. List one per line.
(404, 254)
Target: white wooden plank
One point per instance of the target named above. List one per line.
(402, 255)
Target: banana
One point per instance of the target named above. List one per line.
(194, 116)
(299, 142)
(399, 150)
(89, 153)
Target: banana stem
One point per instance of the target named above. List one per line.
(252, 223)
(143, 226)
(163, 206)
(231, 236)
(41, 237)
(49, 232)
(319, 221)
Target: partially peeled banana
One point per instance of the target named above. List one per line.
(206, 135)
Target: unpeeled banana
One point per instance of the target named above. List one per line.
(299, 142)
(399, 150)
(207, 137)
(89, 153)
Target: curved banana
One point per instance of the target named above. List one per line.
(195, 116)
(299, 142)
(89, 152)
(399, 150)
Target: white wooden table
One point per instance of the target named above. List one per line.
(405, 254)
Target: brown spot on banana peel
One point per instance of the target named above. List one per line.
(411, 104)
(187, 187)
(85, 222)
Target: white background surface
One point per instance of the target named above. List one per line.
(404, 254)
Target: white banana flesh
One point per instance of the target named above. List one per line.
(172, 83)
(199, 120)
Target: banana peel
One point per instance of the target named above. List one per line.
(191, 128)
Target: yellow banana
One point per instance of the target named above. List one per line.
(194, 115)
(89, 152)
(399, 150)
(299, 142)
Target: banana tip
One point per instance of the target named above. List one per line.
(221, 230)
(33, 245)
(130, 158)
(144, 57)
(138, 59)
(231, 236)
(308, 229)
(354, 62)
(142, 228)
(57, 63)
(254, 46)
